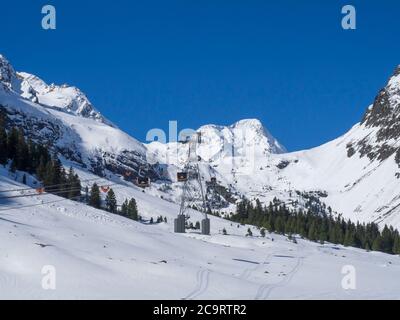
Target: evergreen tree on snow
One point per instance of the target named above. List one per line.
(3, 145)
(132, 210)
(111, 201)
(94, 198)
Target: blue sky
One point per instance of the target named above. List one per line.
(142, 63)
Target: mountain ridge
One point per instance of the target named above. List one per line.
(244, 157)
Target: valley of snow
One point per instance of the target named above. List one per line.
(98, 255)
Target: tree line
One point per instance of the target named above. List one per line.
(19, 153)
(276, 217)
(128, 208)
(25, 155)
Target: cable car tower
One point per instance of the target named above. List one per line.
(190, 176)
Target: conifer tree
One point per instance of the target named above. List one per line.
(41, 169)
(396, 243)
(312, 232)
(21, 152)
(377, 244)
(132, 210)
(387, 239)
(124, 208)
(111, 201)
(49, 177)
(87, 194)
(349, 238)
(13, 167)
(3, 146)
(95, 199)
(12, 141)
(76, 186)
(32, 161)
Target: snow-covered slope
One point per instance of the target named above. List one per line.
(356, 175)
(101, 255)
(97, 255)
(63, 118)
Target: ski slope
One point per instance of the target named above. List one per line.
(244, 157)
(98, 255)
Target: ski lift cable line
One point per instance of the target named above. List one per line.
(50, 186)
(43, 203)
(39, 194)
(36, 204)
(48, 193)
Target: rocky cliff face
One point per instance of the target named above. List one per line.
(383, 118)
(63, 118)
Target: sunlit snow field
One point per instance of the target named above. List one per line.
(98, 255)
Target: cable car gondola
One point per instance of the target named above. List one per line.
(40, 190)
(182, 176)
(143, 182)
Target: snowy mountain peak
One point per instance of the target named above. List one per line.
(63, 118)
(394, 82)
(8, 75)
(245, 138)
(252, 124)
(6, 69)
(249, 122)
(256, 130)
(65, 98)
(386, 107)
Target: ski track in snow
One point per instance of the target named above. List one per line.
(101, 255)
(262, 287)
(264, 291)
(202, 278)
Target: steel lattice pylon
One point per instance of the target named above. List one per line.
(193, 180)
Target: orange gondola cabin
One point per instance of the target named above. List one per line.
(182, 176)
(143, 182)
